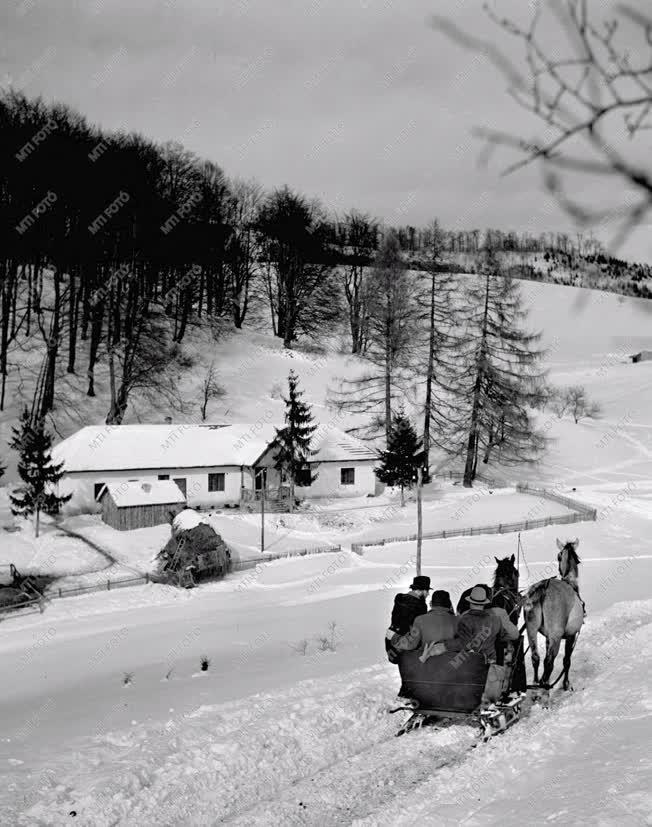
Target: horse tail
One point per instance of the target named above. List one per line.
(535, 596)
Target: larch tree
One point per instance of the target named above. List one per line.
(38, 472)
(402, 460)
(294, 439)
(436, 300)
(496, 386)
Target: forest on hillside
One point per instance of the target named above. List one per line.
(116, 246)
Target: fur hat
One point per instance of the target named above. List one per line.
(421, 584)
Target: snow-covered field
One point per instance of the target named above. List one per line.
(278, 730)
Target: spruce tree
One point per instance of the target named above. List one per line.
(400, 463)
(37, 471)
(294, 439)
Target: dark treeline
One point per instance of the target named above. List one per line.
(114, 247)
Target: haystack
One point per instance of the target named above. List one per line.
(194, 547)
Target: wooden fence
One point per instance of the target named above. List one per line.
(580, 513)
(237, 565)
(492, 482)
(547, 494)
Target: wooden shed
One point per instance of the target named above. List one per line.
(139, 503)
(643, 356)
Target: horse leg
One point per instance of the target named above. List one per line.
(552, 649)
(569, 642)
(532, 626)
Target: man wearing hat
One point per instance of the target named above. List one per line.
(438, 624)
(477, 632)
(407, 607)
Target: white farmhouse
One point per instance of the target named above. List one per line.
(213, 465)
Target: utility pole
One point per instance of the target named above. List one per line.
(262, 510)
(419, 519)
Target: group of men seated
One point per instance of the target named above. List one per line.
(439, 630)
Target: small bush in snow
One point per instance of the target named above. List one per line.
(205, 663)
(327, 642)
(128, 678)
(301, 647)
(168, 674)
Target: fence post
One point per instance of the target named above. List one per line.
(108, 585)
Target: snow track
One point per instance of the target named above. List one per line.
(324, 752)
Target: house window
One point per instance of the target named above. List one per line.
(97, 488)
(216, 482)
(347, 476)
(164, 476)
(304, 478)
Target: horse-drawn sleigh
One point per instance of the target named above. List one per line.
(449, 687)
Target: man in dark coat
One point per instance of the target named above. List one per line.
(407, 607)
(438, 624)
(477, 631)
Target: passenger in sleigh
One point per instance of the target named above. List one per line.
(478, 630)
(407, 607)
(436, 625)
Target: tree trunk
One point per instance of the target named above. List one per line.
(429, 379)
(472, 444)
(37, 521)
(419, 521)
(388, 377)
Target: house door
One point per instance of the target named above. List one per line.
(181, 483)
(260, 475)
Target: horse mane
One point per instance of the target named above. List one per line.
(574, 556)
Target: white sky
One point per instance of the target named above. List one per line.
(360, 102)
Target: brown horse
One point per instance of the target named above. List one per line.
(554, 608)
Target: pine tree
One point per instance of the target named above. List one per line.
(37, 471)
(400, 463)
(294, 439)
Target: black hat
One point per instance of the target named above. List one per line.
(441, 598)
(421, 583)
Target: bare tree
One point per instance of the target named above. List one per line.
(210, 389)
(244, 246)
(392, 342)
(585, 86)
(360, 234)
(577, 403)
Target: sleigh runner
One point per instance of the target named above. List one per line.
(448, 688)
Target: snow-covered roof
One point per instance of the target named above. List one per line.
(154, 447)
(141, 447)
(143, 492)
(329, 444)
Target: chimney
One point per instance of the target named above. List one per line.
(168, 420)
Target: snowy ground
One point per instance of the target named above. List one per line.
(279, 731)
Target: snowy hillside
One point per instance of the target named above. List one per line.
(107, 714)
